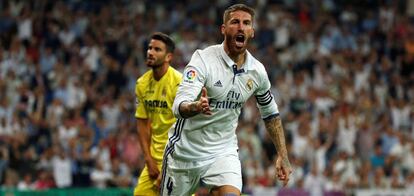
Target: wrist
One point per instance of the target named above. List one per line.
(282, 156)
(193, 107)
(189, 109)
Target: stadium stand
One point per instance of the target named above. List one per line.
(342, 72)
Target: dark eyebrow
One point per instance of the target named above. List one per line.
(154, 47)
(237, 19)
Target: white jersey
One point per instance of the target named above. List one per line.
(203, 137)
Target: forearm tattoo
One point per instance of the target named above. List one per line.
(188, 109)
(275, 130)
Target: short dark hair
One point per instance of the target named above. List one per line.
(236, 7)
(169, 43)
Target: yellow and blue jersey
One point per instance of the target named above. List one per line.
(154, 100)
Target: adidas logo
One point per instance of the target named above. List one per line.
(218, 84)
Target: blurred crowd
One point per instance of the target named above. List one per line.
(342, 75)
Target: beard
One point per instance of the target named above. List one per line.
(233, 47)
(154, 63)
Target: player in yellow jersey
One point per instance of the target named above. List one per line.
(155, 92)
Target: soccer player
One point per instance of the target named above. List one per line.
(155, 92)
(216, 83)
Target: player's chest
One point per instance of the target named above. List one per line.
(156, 96)
(226, 85)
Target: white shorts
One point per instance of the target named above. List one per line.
(185, 180)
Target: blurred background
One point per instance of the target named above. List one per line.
(342, 74)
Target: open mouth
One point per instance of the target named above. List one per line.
(240, 40)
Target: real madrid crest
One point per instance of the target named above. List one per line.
(249, 84)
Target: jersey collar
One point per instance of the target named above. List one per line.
(247, 64)
(166, 73)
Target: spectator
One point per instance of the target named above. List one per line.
(334, 183)
(10, 181)
(380, 182)
(378, 158)
(121, 174)
(340, 72)
(43, 181)
(314, 182)
(62, 168)
(99, 176)
(27, 183)
(83, 166)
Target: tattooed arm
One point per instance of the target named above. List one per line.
(275, 129)
(190, 109)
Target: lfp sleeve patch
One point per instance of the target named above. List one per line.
(190, 75)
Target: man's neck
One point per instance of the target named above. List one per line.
(160, 71)
(238, 58)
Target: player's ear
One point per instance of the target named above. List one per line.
(169, 57)
(253, 33)
(222, 28)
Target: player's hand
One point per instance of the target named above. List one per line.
(203, 102)
(157, 182)
(283, 169)
(153, 170)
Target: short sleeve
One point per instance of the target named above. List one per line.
(140, 111)
(193, 80)
(265, 99)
